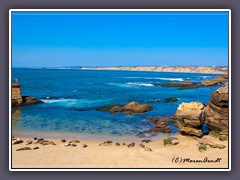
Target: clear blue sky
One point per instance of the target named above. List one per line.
(51, 39)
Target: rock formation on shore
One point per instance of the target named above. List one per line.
(191, 118)
(132, 107)
(19, 100)
(216, 112)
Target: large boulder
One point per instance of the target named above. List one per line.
(189, 131)
(28, 100)
(216, 112)
(190, 114)
(135, 107)
(132, 107)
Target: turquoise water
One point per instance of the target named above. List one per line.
(72, 96)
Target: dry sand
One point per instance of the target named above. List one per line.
(95, 156)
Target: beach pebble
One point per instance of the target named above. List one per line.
(29, 142)
(131, 145)
(74, 141)
(118, 144)
(106, 143)
(147, 140)
(142, 145)
(148, 149)
(24, 148)
(175, 142)
(73, 145)
(35, 138)
(63, 140)
(123, 144)
(52, 143)
(84, 145)
(18, 141)
(35, 148)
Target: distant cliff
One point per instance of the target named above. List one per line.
(186, 69)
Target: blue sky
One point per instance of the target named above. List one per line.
(51, 39)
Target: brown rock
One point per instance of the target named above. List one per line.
(190, 114)
(24, 148)
(28, 100)
(190, 131)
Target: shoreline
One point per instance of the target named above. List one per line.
(170, 69)
(113, 156)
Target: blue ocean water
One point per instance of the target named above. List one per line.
(72, 96)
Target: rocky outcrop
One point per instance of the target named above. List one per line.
(220, 80)
(216, 112)
(19, 100)
(190, 114)
(161, 124)
(132, 107)
(28, 100)
(16, 95)
(182, 85)
(184, 130)
(191, 118)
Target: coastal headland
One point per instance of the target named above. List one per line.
(185, 69)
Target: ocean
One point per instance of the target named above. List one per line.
(72, 96)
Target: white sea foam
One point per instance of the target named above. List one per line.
(58, 100)
(167, 79)
(139, 84)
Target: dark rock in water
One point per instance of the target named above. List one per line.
(115, 109)
(147, 140)
(148, 149)
(35, 148)
(142, 145)
(63, 140)
(131, 145)
(132, 107)
(193, 86)
(177, 84)
(24, 148)
(171, 99)
(156, 84)
(136, 107)
(118, 144)
(29, 142)
(18, 141)
(106, 108)
(84, 145)
(28, 100)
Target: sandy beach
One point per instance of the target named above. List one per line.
(113, 156)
